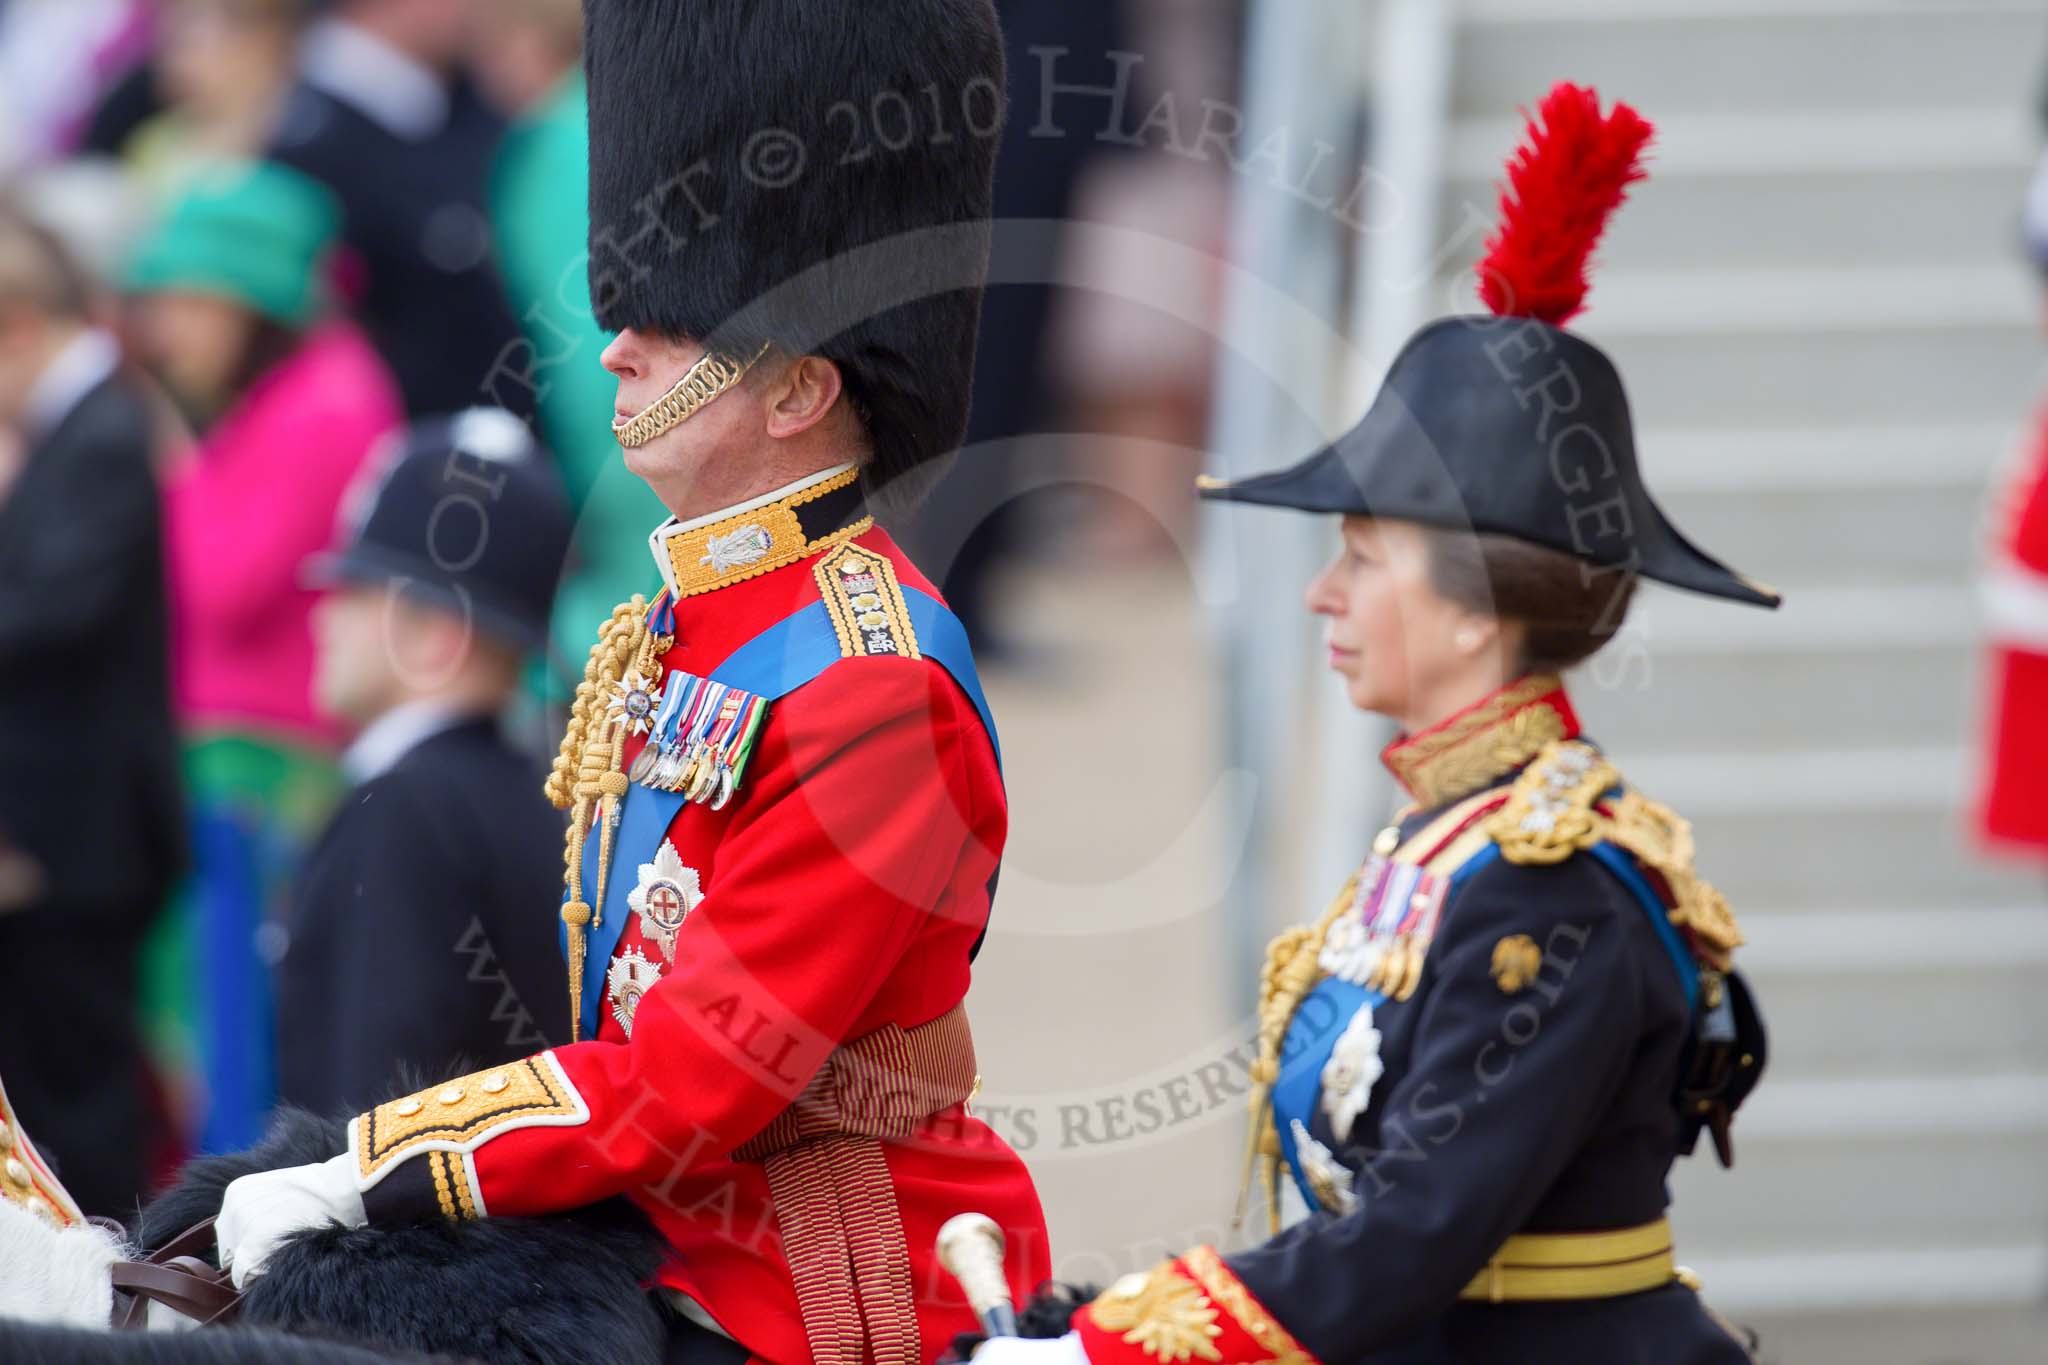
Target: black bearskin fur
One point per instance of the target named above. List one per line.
(812, 173)
(1049, 1314)
(567, 1288)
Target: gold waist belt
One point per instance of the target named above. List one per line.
(1533, 1266)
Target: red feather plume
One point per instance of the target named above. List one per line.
(1571, 172)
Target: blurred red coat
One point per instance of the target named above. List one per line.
(2013, 807)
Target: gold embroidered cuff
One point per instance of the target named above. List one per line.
(1185, 1310)
(457, 1118)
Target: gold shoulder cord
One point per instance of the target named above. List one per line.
(586, 772)
(1289, 974)
(1546, 821)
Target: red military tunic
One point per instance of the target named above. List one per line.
(2012, 811)
(841, 891)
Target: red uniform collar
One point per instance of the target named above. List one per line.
(1487, 741)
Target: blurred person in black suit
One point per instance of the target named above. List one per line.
(384, 115)
(90, 828)
(423, 928)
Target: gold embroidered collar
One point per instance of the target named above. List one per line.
(761, 536)
(1484, 743)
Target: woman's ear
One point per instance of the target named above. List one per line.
(1474, 634)
(1480, 633)
(801, 396)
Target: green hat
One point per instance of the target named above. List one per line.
(253, 232)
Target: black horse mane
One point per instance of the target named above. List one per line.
(565, 1288)
(1049, 1314)
(24, 1343)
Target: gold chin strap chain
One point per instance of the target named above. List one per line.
(704, 381)
(586, 773)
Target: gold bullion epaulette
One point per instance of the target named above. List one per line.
(1571, 798)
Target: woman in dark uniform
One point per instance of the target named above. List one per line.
(1478, 1065)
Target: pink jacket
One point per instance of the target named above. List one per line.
(262, 494)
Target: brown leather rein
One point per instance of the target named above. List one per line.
(178, 1276)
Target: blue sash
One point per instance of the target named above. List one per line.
(772, 665)
(1327, 1010)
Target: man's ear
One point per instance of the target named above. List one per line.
(802, 395)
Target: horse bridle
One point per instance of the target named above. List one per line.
(178, 1276)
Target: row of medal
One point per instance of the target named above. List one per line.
(703, 733)
(1380, 942)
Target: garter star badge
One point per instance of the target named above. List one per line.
(1352, 1071)
(1326, 1175)
(667, 893)
(628, 980)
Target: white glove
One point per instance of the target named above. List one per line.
(1064, 1350)
(259, 1211)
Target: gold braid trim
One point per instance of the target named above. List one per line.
(1289, 974)
(1552, 812)
(1481, 746)
(1229, 1293)
(586, 781)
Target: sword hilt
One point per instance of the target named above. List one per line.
(970, 1246)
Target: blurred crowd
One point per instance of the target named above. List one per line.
(276, 277)
(257, 259)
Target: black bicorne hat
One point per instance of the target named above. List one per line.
(1506, 423)
(814, 174)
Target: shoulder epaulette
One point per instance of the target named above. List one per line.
(868, 609)
(1571, 799)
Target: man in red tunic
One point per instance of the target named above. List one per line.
(786, 809)
(2012, 810)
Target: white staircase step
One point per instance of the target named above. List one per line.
(1830, 982)
(1879, 780)
(1924, 615)
(1802, 300)
(1779, 702)
(1664, 11)
(1866, 941)
(1886, 538)
(1848, 1026)
(1864, 826)
(1828, 373)
(1883, 1279)
(1793, 58)
(1890, 141)
(1862, 1109)
(1917, 1186)
(1780, 214)
(1764, 461)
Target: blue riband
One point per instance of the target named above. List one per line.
(778, 661)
